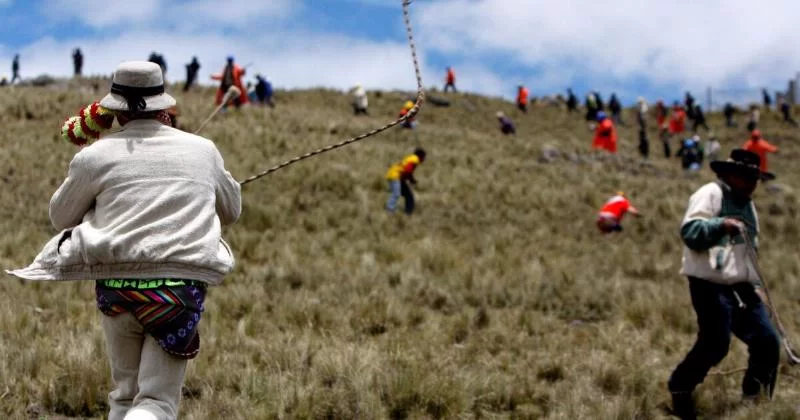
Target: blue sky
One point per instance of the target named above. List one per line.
(632, 47)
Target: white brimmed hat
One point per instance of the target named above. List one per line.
(137, 86)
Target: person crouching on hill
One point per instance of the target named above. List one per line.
(605, 134)
(724, 287)
(506, 125)
(609, 219)
(409, 123)
(140, 213)
(399, 176)
(691, 154)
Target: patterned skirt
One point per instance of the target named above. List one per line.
(168, 309)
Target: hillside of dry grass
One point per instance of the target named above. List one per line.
(497, 299)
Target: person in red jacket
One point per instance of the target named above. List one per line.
(605, 134)
(522, 98)
(760, 146)
(677, 125)
(231, 76)
(609, 218)
(450, 80)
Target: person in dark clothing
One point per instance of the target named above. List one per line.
(699, 119)
(77, 62)
(786, 110)
(15, 70)
(191, 73)
(506, 125)
(572, 101)
(601, 106)
(729, 111)
(616, 110)
(641, 119)
(689, 102)
(591, 107)
(767, 99)
(158, 59)
(264, 91)
(691, 154)
(726, 292)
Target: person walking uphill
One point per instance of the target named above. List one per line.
(723, 284)
(399, 175)
(140, 213)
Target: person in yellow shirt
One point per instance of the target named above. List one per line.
(399, 175)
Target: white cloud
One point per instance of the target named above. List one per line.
(690, 43)
(156, 13)
(98, 13)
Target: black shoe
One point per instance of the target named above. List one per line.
(683, 406)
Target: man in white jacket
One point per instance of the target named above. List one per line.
(724, 284)
(140, 212)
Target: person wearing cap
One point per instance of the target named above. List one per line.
(506, 125)
(360, 100)
(140, 213)
(723, 283)
(605, 134)
(399, 176)
(410, 123)
(450, 80)
(231, 76)
(691, 154)
(609, 219)
(760, 146)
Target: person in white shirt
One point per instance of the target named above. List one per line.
(140, 213)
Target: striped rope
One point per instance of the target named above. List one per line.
(411, 113)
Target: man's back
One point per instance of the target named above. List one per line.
(157, 194)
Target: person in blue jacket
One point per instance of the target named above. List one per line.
(264, 91)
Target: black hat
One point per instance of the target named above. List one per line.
(741, 162)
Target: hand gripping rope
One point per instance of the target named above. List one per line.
(411, 113)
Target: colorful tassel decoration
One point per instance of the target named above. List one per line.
(88, 125)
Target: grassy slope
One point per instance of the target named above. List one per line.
(498, 299)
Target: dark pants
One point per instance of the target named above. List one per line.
(396, 190)
(644, 145)
(450, 86)
(718, 315)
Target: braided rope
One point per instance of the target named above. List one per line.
(411, 113)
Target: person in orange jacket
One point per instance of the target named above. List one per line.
(450, 80)
(677, 125)
(609, 219)
(522, 98)
(760, 146)
(605, 134)
(231, 76)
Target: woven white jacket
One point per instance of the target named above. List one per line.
(145, 202)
